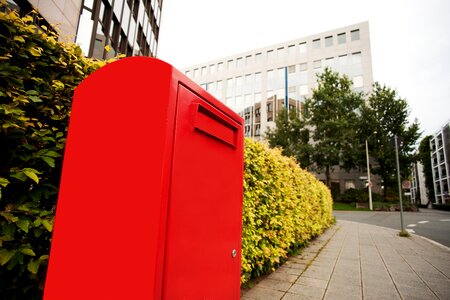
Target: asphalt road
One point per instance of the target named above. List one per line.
(429, 223)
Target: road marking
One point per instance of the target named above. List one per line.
(411, 225)
(410, 230)
(445, 220)
(423, 222)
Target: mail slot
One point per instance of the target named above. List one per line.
(150, 201)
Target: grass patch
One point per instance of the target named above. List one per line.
(404, 233)
(347, 206)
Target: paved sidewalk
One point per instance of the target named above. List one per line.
(360, 261)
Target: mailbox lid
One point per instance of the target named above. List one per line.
(203, 240)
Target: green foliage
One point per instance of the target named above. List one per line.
(333, 112)
(37, 77)
(291, 135)
(425, 159)
(354, 195)
(386, 115)
(284, 207)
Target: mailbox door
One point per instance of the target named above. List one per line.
(203, 241)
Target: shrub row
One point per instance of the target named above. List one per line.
(284, 207)
(38, 75)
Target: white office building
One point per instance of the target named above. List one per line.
(256, 83)
(440, 163)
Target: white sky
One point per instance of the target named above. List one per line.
(410, 40)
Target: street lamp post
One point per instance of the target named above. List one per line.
(369, 182)
(399, 184)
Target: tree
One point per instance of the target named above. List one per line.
(384, 116)
(425, 159)
(333, 113)
(291, 135)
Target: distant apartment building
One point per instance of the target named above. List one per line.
(257, 83)
(129, 27)
(440, 163)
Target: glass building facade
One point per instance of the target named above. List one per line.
(102, 28)
(129, 27)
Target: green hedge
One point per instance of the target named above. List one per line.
(284, 207)
(37, 77)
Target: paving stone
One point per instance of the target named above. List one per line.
(385, 290)
(261, 293)
(291, 271)
(340, 294)
(314, 282)
(318, 273)
(305, 290)
(275, 284)
(283, 277)
(410, 292)
(407, 279)
(293, 265)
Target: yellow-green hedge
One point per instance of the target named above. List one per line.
(284, 207)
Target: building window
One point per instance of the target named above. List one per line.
(220, 67)
(356, 57)
(342, 60)
(258, 77)
(270, 55)
(204, 71)
(317, 64)
(257, 98)
(354, 35)
(270, 74)
(329, 62)
(239, 62)
(349, 184)
(258, 130)
(302, 47)
(230, 64)
(303, 67)
(291, 50)
(291, 69)
(281, 52)
(316, 43)
(358, 81)
(248, 79)
(229, 82)
(211, 86)
(248, 60)
(258, 57)
(212, 69)
(342, 39)
(248, 99)
(196, 73)
(239, 81)
(329, 41)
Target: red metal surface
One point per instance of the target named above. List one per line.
(151, 190)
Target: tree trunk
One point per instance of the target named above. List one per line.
(327, 177)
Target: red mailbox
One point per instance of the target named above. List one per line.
(151, 190)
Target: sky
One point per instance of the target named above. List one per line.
(410, 40)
